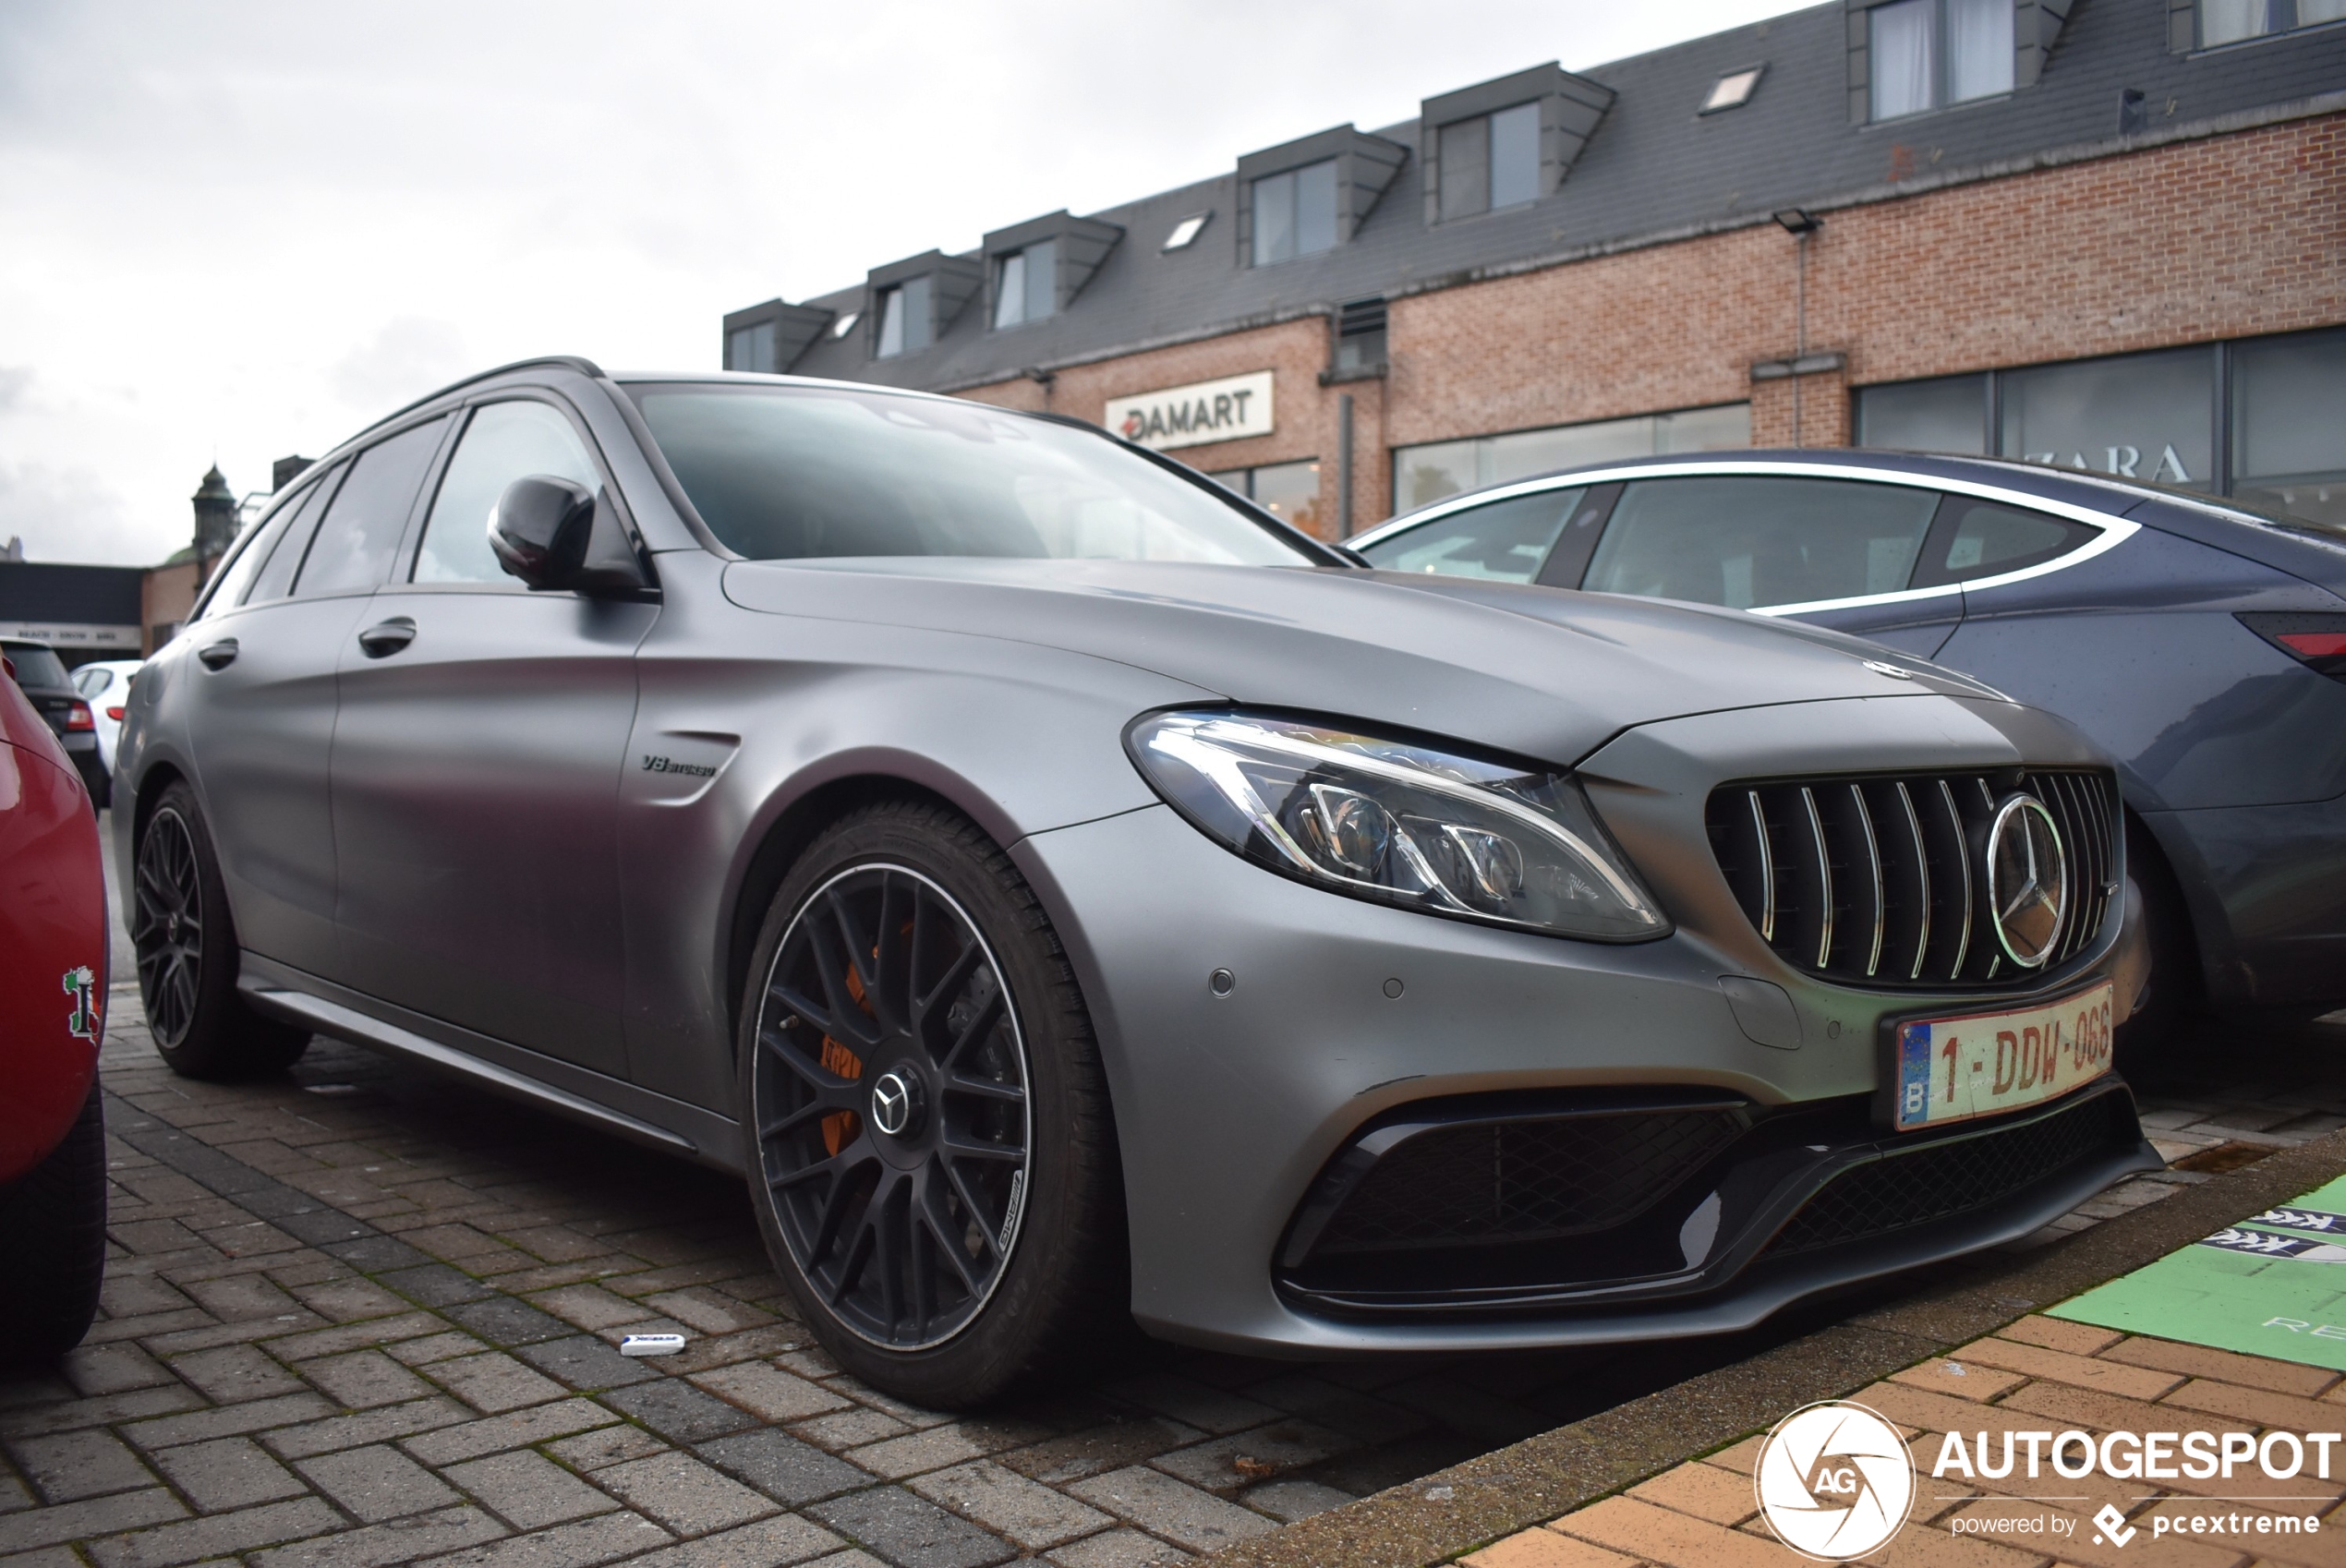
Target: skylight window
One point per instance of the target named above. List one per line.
(846, 323)
(1732, 91)
(1186, 231)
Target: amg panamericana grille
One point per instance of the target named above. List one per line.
(1882, 881)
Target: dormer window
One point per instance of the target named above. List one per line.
(1295, 213)
(1924, 54)
(1025, 285)
(768, 339)
(1309, 196)
(1490, 160)
(1506, 142)
(750, 348)
(2231, 21)
(1036, 268)
(905, 317)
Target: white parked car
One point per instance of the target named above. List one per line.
(106, 686)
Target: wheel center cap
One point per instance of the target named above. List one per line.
(896, 1102)
(171, 927)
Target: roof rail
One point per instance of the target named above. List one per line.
(567, 361)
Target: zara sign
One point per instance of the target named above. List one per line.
(1227, 410)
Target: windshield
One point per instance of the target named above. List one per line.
(37, 666)
(784, 473)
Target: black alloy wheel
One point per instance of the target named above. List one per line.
(931, 1153)
(185, 942)
(893, 1122)
(168, 933)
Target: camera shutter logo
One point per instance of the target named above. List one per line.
(1834, 1481)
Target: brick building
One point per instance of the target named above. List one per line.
(2109, 233)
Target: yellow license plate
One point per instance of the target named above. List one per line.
(1982, 1064)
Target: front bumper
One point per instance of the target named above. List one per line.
(1230, 1107)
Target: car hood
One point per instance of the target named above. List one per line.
(1539, 672)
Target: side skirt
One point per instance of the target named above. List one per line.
(563, 1088)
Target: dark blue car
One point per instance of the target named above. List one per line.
(2202, 645)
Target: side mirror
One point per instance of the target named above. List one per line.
(540, 528)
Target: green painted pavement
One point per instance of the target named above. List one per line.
(2274, 1284)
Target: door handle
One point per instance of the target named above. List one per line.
(385, 638)
(219, 654)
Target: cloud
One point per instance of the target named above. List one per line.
(410, 357)
(14, 380)
(71, 514)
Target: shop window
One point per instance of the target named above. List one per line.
(2138, 415)
(1423, 475)
(1491, 160)
(2233, 21)
(1025, 285)
(1288, 490)
(904, 318)
(1949, 414)
(1295, 213)
(2288, 424)
(1923, 55)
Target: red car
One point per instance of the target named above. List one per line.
(53, 997)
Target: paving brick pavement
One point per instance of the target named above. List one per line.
(1703, 1513)
(358, 1316)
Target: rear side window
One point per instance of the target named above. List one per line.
(281, 558)
(352, 552)
(505, 442)
(38, 666)
(1980, 538)
(1507, 541)
(1747, 541)
(229, 588)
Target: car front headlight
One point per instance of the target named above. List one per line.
(1397, 823)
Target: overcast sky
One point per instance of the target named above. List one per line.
(236, 231)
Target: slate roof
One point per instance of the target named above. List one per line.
(1654, 168)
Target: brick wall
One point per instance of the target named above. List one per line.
(2226, 236)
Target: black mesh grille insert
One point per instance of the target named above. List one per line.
(1882, 881)
(1525, 1180)
(1946, 1179)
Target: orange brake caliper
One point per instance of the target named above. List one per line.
(839, 1127)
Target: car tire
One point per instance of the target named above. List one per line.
(978, 1243)
(52, 1232)
(2148, 1042)
(185, 942)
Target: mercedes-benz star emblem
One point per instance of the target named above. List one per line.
(892, 1104)
(2027, 880)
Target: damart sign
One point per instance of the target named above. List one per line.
(1836, 1481)
(1227, 410)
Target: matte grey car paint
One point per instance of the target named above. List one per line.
(533, 889)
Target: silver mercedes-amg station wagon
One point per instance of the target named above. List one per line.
(1065, 892)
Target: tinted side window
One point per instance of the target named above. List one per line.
(235, 580)
(1980, 538)
(505, 442)
(1506, 540)
(354, 545)
(1752, 541)
(273, 580)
